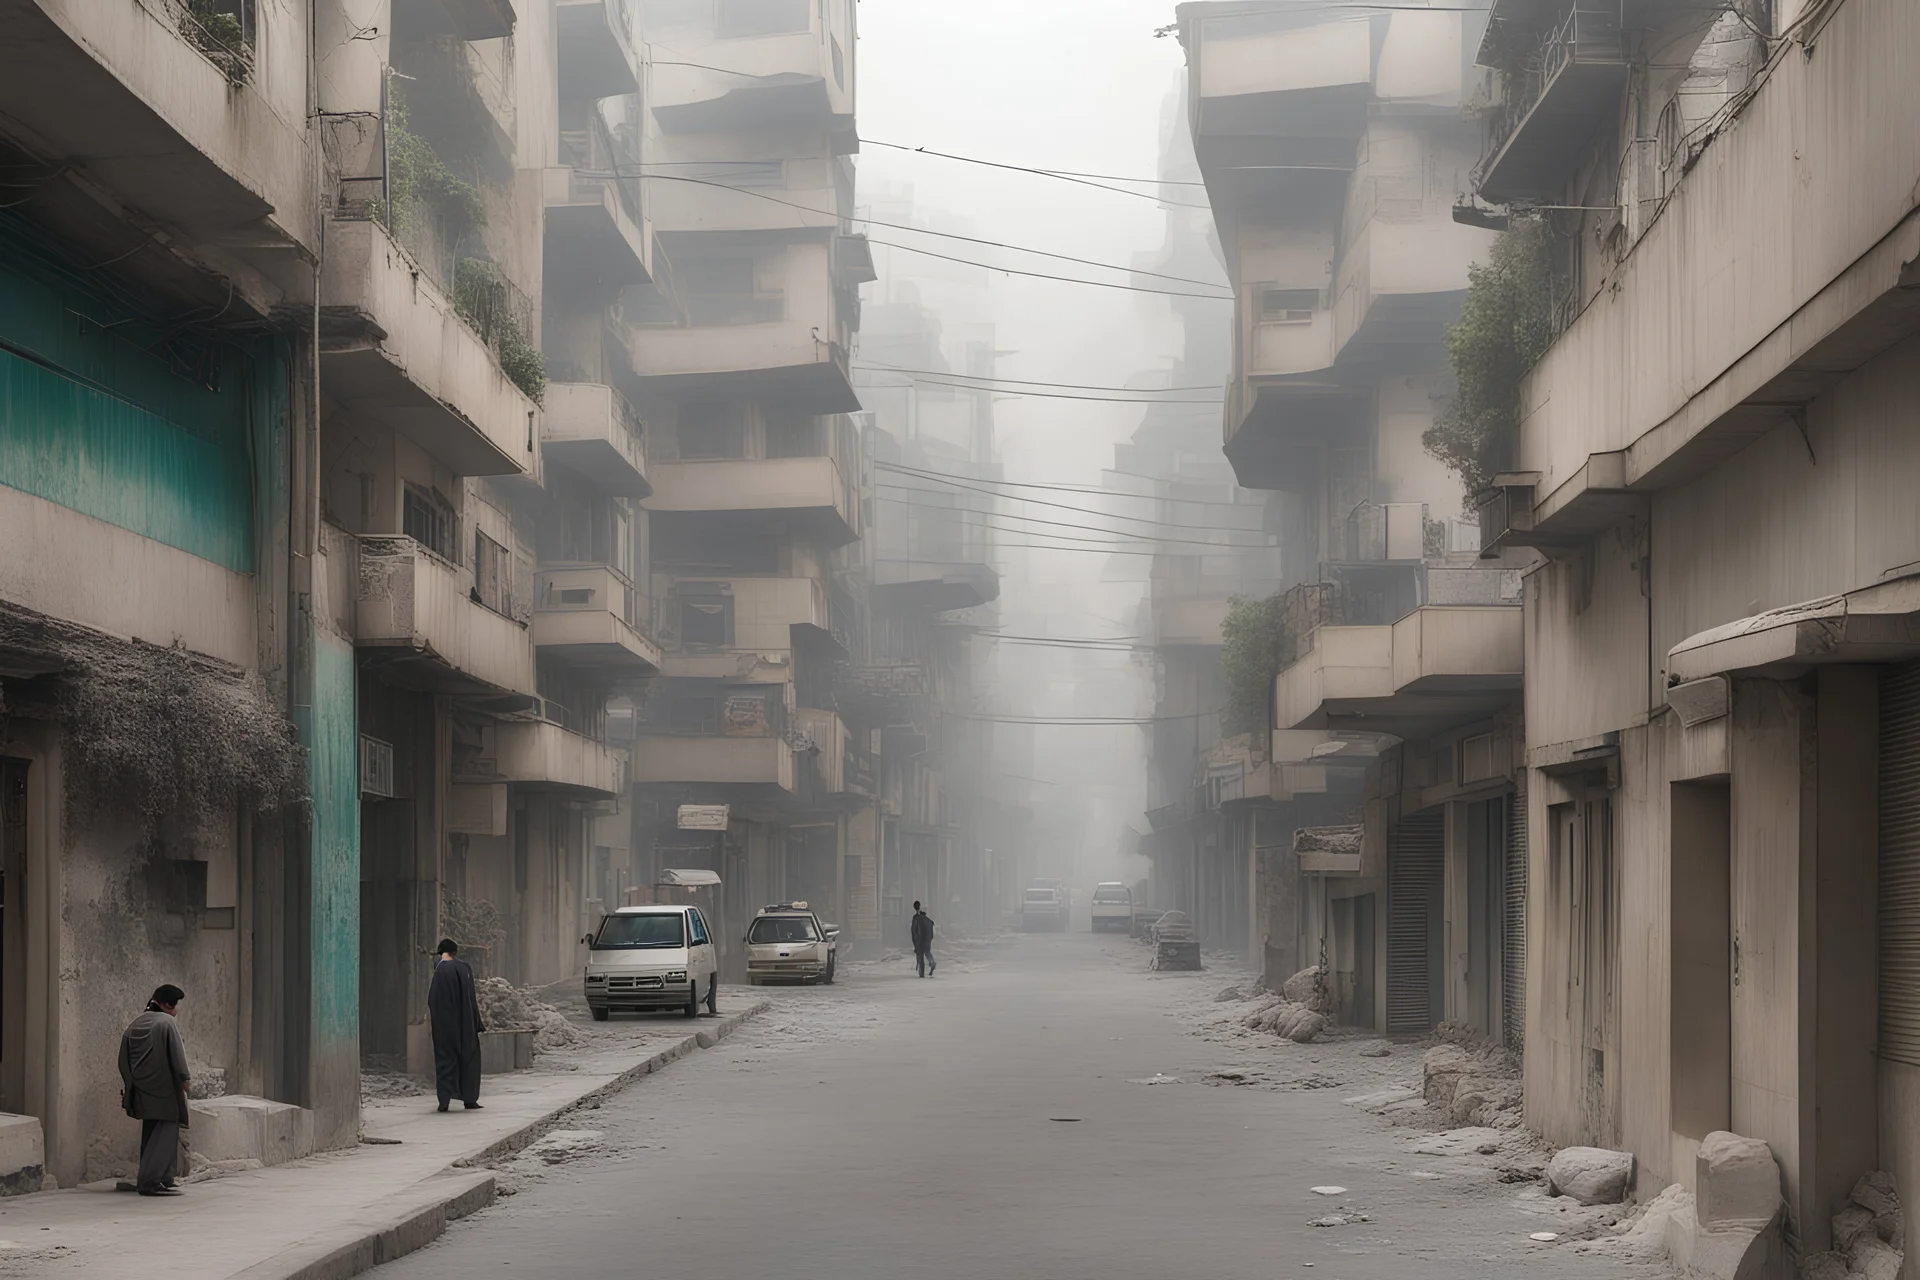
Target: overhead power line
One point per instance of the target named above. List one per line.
(1010, 393)
(1042, 502)
(1042, 275)
(1134, 537)
(619, 172)
(1078, 722)
(1076, 179)
(1028, 382)
(1047, 173)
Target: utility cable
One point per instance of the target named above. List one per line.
(618, 172)
(1012, 394)
(1040, 502)
(1090, 491)
(1138, 538)
(1042, 275)
(1044, 173)
(1028, 382)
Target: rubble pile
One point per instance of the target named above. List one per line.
(505, 1007)
(1297, 1022)
(1468, 1079)
(1869, 1235)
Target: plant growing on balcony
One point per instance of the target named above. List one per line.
(218, 33)
(1505, 326)
(1259, 637)
(491, 304)
(419, 181)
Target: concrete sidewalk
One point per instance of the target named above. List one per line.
(343, 1212)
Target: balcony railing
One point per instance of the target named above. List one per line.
(1588, 36)
(595, 151)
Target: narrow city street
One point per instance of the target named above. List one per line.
(1041, 1107)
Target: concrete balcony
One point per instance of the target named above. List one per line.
(1439, 666)
(416, 610)
(591, 429)
(1268, 78)
(934, 586)
(541, 755)
(394, 348)
(811, 494)
(1553, 97)
(464, 19)
(169, 121)
(588, 614)
(796, 360)
(800, 78)
(751, 615)
(765, 762)
(595, 49)
(591, 236)
(1194, 622)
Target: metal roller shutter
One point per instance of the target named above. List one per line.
(1513, 938)
(1900, 864)
(1415, 870)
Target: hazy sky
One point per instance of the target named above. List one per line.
(1060, 84)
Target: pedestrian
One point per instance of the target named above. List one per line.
(922, 942)
(153, 1075)
(453, 1007)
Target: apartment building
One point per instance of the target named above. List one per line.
(1332, 146)
(742, 369)
(319, 442)
(1207, 774)
(931, 584)
(1712, 470)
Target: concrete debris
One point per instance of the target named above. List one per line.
(1297, 1022)
(1874, 1258)
(1228, 994)
(1544, 1236)
(1308, 987)
(1591, 1175)
(1345, 1218)
(1849, 1224)
(1381, 1052)
(1824, 1266)
(1869, 1234)
(1328, 1191)
(1456, 1142)
(389, 1084)
(504, 1007)
(1342, 839)
(1470, 1080)
(561, 1145)
(1156, 1078)
(1736, 1182)
(1875, 1193)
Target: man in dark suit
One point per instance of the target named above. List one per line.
(453, 1007)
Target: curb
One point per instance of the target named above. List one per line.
(458, 1190)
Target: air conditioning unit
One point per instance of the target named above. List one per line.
(376, 768)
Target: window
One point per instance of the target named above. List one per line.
(782, 929)
(706, 622)
(760, 17)
(492, 574)
(720, 291)
(793, 437)
(428, 519)
(713, 430)
(640, 932)
(1288, 305)
(699, 924)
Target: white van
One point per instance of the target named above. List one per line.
(652, 957)
(1112, 906)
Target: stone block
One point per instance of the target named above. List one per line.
(23, 1155)
(1591, 1175)
(1824, 1266)
(1849, 1224)
(1441, 1070)
(1736, 1182)
(1875, 1193)
(504, 1051)
(238, 1127)
(1874, 1258)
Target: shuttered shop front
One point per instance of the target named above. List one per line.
(1513, 938)
(1416, 868)
(1900, 864)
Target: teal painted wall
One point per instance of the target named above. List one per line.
(114, 407)
(333, 745)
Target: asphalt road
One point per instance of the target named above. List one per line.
(989, 1122)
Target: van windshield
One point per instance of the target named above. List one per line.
(1039, 895)
(782, 929)
(1112, 895)
(630, 933)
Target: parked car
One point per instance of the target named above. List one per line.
(1112, 906)
(787, 942)
(652, 957)
(1043, 907)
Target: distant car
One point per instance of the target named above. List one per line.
(652, 957)
(1112, 907)
(787, 942)
(1043, 907)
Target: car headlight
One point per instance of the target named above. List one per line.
(677, 975)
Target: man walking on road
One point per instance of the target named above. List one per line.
(453, 1008)
(153, 1075)
(922, 942)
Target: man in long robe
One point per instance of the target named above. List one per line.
(453, 1008)
(153, 1078)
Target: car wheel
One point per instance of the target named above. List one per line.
(830, 964)
(693, 1000)
(599, 1015)
(713, 995)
